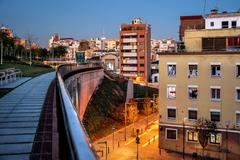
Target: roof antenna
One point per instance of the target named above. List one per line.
(204, 7)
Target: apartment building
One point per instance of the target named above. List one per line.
(217, 20)
(168, 45)
(135, 50)
(226, 39)
(196, 85)
(190, 22)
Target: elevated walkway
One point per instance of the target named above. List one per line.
(19, 117)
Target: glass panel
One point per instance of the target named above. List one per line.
(171, 134)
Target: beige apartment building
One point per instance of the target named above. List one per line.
(226, 39)
(196, 85)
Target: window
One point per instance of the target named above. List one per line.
(238, 94)
(192, 92)
(155, 79)
(171, 134)
(212, 24)
(234, 24)
(215, 93)
(215, 138)
(171, 112)
(141, 65)
(141, 36)
(192, 70)
(192, 136)
(171, 91)
(141, 50)
(238, 118)
(225, 24)
(238, 70)
(216, 70)
(171, 69)
(192, 114)
(141, 43)
(215, 115)
(141, 57)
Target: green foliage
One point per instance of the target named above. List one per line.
(108, 97)
(59, 51)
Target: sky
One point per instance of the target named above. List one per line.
(83, 19)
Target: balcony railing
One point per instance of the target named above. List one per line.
(129, 68)
(130, 54)
(129, 61)
(126, 40)
(129, 47)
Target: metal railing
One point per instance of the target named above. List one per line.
(80, 146)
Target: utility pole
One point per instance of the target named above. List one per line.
(125, 113)
(113, 127)
(137, 142)
(106, 147)
(1, 51)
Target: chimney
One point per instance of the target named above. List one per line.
(214, 11)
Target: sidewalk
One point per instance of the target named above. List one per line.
(19, 117)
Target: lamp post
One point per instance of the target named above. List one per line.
(137, 141)
(1, 51)
(183, 155)
(105, 142)
(227, 126)
(125, 113)
(113, 127)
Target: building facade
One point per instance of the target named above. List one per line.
(226, 39)
(217, 20)
(200, 85)
(167, 45)
(190, 22)
(135, 50)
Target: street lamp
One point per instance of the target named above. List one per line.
(137, 141)
(105, 142)
(125, 113)
(113, 127)
(184, 119)
(227, 126)
(1, 51)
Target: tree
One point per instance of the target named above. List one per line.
(132, 111)
(147, 105)
(205, 128)
(156, 103)
(59, 51)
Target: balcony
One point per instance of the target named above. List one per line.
(129, 47)
(126, 40)
(129, 61)
(129, 34)
(130, 74)
(130, 54)
(129, 68)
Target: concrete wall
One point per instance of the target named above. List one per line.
(81, 87)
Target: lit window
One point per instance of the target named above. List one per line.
(215, 94)
(238, 70)
(192, 92)
(192, 136)
(238, 94)
(192, 114)
(171, 134)
(171, 69)
(215, 115)
(216, 70)
(192, 70)
(171, 111)
(215, 138)
(171, 91)
(238, 118)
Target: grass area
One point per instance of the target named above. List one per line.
(36, 69)
(27, 70)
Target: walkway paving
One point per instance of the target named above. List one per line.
(19, 117)
(15, 83)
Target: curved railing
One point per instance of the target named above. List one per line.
(80, 146)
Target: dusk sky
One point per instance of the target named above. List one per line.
(83, 19)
